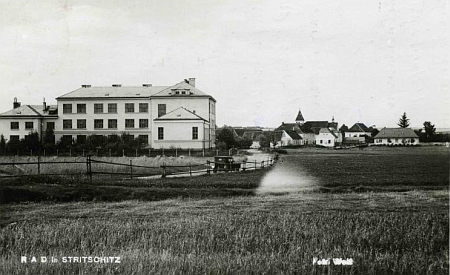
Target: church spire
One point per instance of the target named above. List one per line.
(300, 120)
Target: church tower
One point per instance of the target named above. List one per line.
(300, 120)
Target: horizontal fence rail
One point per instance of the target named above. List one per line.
(90, 167)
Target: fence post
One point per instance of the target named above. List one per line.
(190, 170)
(70, 152)
(163, 174)
(83, 153)
(203, 151)
(131, 169)
(39, 165)
(136, 152)
(57, 152)
(176, 152)
(90, 168)
(262, 164)
(44, 152)
(149, 155)
(244, 165)
(162, 154)
(109, 152)
(208, 163)
(189, 151)
(255, 164)
(31, 152)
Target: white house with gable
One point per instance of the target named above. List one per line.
(328, 137)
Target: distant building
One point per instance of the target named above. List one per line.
(358, 133)
(179, 116)
(328, 137)
(307, 130)
(291, 138)
(396, 136)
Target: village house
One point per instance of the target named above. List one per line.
(358, 133)
(329, 137)
(179, 116)
(307, 130)
(291, 138)
(396, 136)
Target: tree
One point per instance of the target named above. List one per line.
(343, 129)
(430, 130)
(403, 122)
(226, 136)
(48, 141)
(244, 142)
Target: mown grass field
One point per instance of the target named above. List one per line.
(387, 210)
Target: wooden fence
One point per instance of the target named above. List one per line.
(129, 170)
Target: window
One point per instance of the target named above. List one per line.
(113, 138)
(28, 125)
(112, 108)
(161, 109)
(129, 123)
(128, 138)
(98, 108)
(98, 123)
(67, 124)
(321, 142)
(183, 92)
(329, 141)
(143, 139)
(66, 139)
(389, 140)
(143, 123)
(81, 108)
(67, 108)
(81, 123)
(194, 132)
(51, 125)
(177, 92)
(160, 133)
(143, 107)
(14, 125)
(112, 123)
(14, 138)
(81, 139)
(129, 107)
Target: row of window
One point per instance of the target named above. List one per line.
(28, 125)
(98, 108)
(98, 123)
(329, 141)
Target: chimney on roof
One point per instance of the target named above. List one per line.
(192, 81)
(117, 85)
(44, 104)
(146, 85)
(16, 104)
(85, 86)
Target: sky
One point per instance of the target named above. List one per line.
(359, 61)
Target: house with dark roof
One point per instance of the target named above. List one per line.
(358, 133)
(291, 138)
(396, 136)
(307, 130)
(179, 116)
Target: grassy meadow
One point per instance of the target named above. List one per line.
(386, 208)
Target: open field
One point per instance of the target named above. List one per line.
(386, 209)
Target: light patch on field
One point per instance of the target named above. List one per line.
(284, 180)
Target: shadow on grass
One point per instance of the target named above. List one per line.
(71, 189)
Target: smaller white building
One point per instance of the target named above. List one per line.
(396, 136)
(328, 137)
(291, 138)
